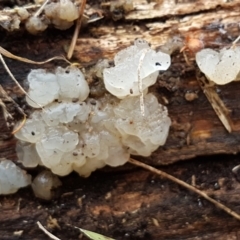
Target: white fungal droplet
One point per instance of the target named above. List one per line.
(62, 14)
(35, 25)
(67, 10)
(44, 184)
(222, 67)
(23, 13)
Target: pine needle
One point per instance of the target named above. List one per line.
(20, 125)
(185, 185)
(47, 232)
(21, 59)
(77, 29)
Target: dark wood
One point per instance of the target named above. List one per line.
(141, 205)
(132, 205)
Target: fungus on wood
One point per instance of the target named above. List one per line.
(136, 200)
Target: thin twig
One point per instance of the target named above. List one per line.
(10, 55)
(77, 29)
(47, 232)
(186, 185)
(15, 80)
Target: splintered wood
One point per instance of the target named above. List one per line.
(217, 104)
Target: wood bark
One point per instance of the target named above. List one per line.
(136, 204)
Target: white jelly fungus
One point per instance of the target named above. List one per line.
(122, 80)
(64, 84)
(62, 13)
(12, 177)
(44, 184)
(74, 132)
(107, 135)
(43, 87)
(220, 67)
(72, 84)
(35, 25)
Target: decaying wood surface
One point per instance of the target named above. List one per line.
(132, 205)
(136, 204)
(191, 134)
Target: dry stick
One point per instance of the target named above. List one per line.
(7, 114)
(235, 42)
(77, 29)
(186, 185)
(216, 102)
(47, 232)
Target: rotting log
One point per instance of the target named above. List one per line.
(131, 205)
(136, 204)
(191, 134)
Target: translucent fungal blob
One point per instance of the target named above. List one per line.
(74, 132)
(44, 184)
(133, 64)
(12, 177)
(220, 67)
